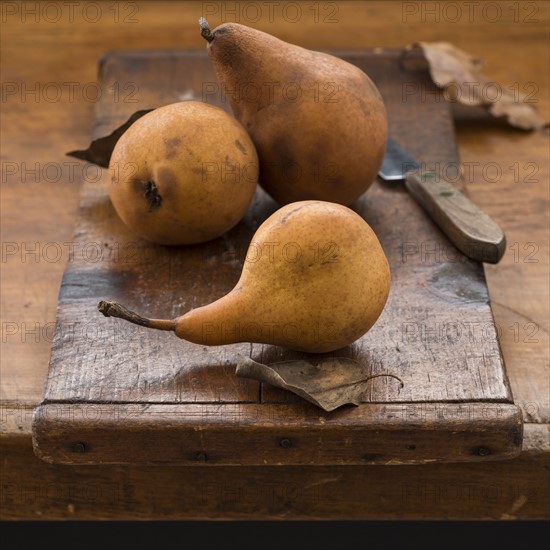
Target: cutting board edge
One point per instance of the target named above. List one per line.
(288, 434)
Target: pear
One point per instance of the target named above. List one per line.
(319, 124)
(173, 170)
(315, 279)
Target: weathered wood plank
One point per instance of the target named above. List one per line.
(292, 434)
(505, 489)
(437, 331)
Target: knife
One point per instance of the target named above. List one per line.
(470, 229)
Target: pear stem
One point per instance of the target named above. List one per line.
(206, 32)
(114, 309)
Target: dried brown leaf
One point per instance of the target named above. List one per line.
(520, 115)
(458, 73)
(100, 150)
(334, 382)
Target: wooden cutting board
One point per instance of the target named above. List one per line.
(117, 393)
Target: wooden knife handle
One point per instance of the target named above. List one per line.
(470, 229)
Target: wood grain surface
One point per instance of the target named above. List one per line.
(35, 52)
(506, 490)
(436, 332)
(276, 434)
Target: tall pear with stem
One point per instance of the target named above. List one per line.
(319, 123)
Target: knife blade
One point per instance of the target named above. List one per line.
(470, 229)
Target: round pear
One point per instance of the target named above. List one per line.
(183, 173)
(315, 279)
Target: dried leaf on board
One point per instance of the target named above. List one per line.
(100, 150)
(334, 382)
(457, 72)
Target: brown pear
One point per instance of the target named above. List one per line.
(315, 279)
(184, 173)
(319, 124)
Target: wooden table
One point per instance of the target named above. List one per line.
(49, 63)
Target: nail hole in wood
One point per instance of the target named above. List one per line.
(370, 457)
(481, 451)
